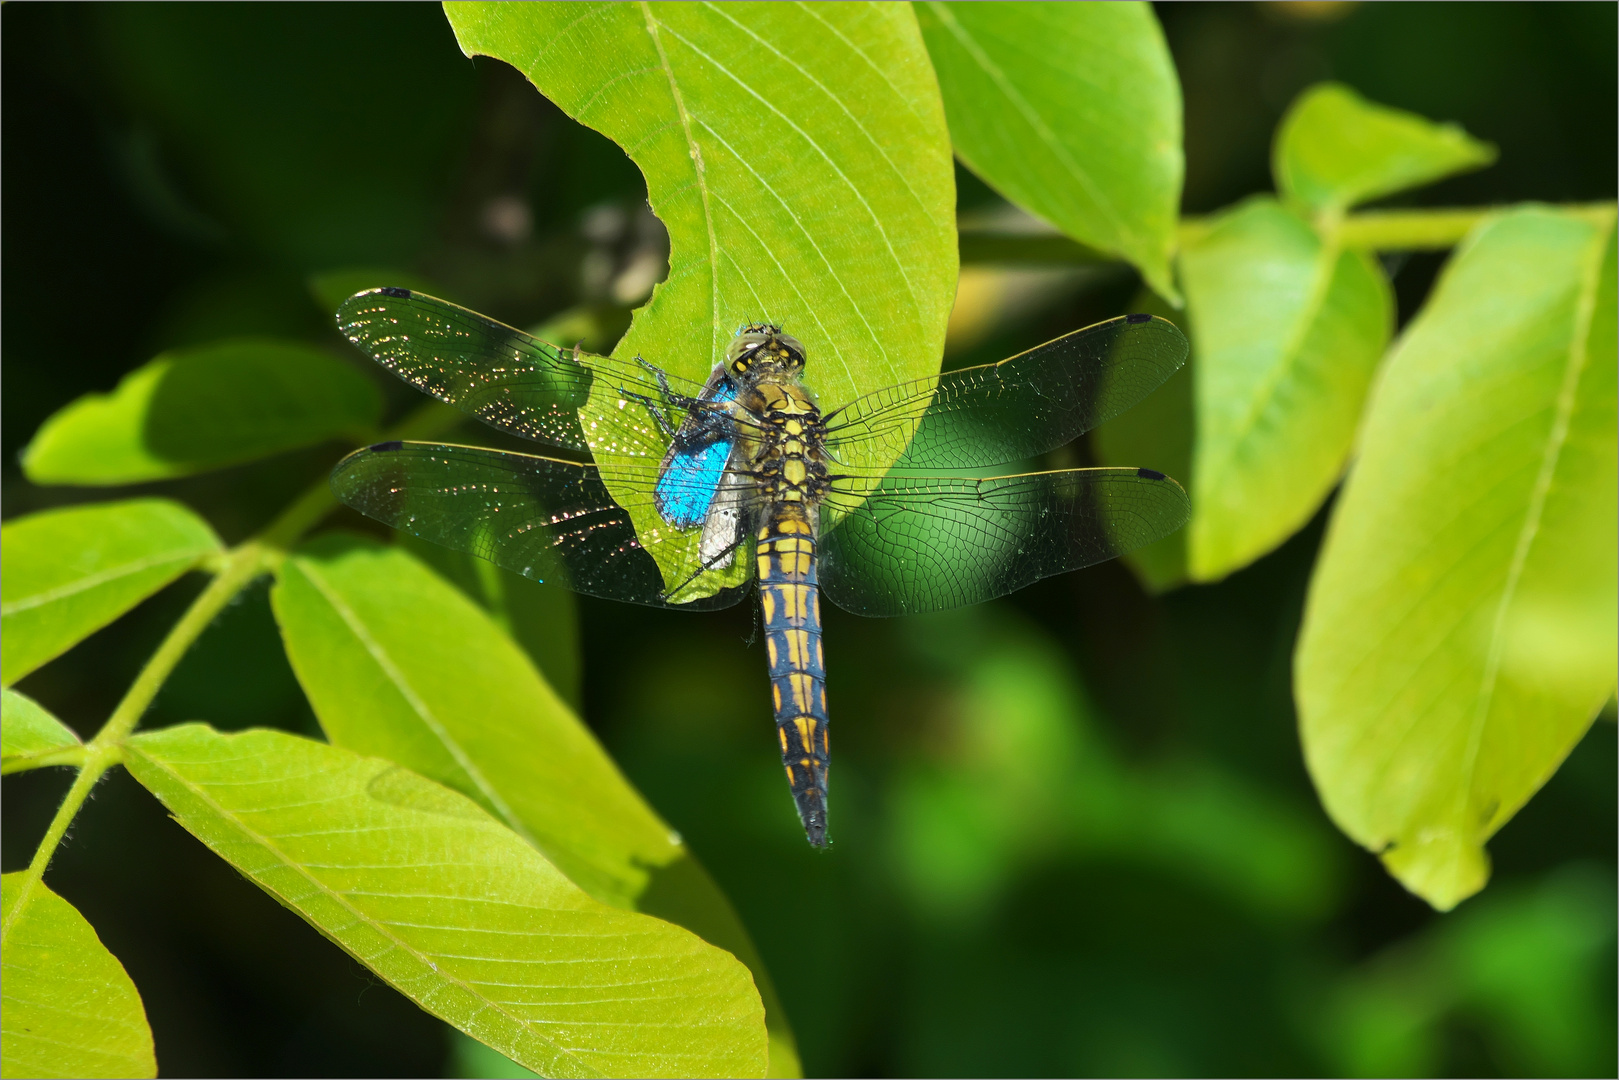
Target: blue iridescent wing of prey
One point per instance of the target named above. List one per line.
(509, 379)
(546, 519)
(696, 462)
(1016, 409)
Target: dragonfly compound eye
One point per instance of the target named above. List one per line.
(789, 351)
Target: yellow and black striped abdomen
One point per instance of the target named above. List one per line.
(791, 605)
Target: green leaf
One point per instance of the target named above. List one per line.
(70, 1009)
(1334, 149)
(810, 185)
(1288, 330)
(70, 572)
(399, 664)
(202, 408)
(1459, 635)
(1073, 112)
(28, 732)
(543, 619)
(454, 910)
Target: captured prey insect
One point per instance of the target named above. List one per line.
(697, 494)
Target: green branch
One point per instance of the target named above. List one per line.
(1369, 230)
(232, 573)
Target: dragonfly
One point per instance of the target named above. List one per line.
(692, 496)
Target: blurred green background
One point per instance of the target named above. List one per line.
(1074, 833)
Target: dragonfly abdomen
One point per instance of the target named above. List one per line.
(791, 605)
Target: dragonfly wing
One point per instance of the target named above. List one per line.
(1016, 409)
(507, 378)
(906, 545)
(549, 520)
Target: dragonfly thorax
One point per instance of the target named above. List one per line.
(789, 457)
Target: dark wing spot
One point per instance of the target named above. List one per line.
(1128, 318)
(386, 447)
(394, 290)
(1149, 474)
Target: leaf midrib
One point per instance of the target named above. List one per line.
(700, 175)
(91, 581)
(1585, 311)
(417, 705)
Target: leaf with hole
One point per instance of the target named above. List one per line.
(799, 157)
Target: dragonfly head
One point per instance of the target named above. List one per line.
(761, 350)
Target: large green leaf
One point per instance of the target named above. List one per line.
(70, 1009)
(1288, 330)
(543, 619)
(196, 409)
(454, 910)
(1072, 111)
(798, 155)
(1335, 149)
(70, 572)
(1460, 631)
(399, 664)
(29, 733)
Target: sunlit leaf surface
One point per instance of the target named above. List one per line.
(1460, 631)
(542, 619)
(28, 731)
(399, 664)
(1288, 332)
(1335, 149)
(70, 1009)
(197, 409)
(798, 155)
(454, 910)
(1073, 112)
(70, 572)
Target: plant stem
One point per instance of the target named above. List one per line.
(1369, 230)
(232, 574)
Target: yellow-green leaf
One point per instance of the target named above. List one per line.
(1334, 149)
(70, 572)
(203, 408)
(455, 910)
(1287, 330)
(799, 157)
(1459, 635)
(70, 1009)
(400, 664)
(1073, 112)
(29, 733)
